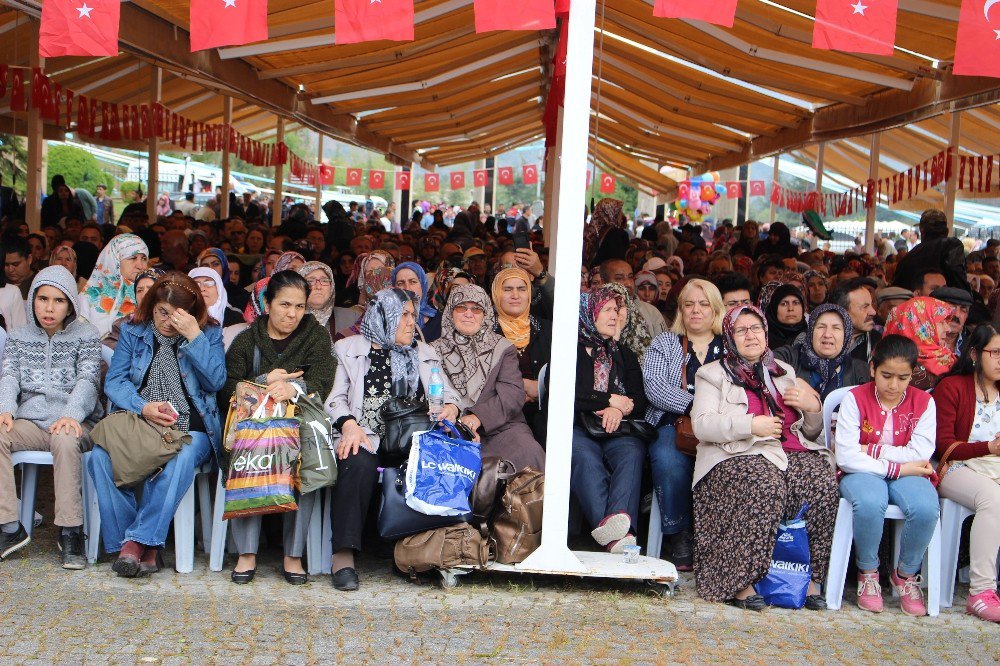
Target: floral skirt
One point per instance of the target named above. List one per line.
(737, 508)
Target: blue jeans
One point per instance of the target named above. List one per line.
(605, 476)
(673, 472)
(870, 495)
(145, 522)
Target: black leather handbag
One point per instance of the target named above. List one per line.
(397, 520)
(402, 418)
(638, 428)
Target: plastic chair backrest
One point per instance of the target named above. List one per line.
(541, 383)
(831, 405)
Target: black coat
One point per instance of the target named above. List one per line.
(947, 254)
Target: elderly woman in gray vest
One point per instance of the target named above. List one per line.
(483, 367)
(385, 361)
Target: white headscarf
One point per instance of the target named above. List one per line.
(217, 311)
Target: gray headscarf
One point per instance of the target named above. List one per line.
(322, 314)
(468, 360)
(379, 327)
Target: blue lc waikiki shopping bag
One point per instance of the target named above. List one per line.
(441, 472)
(787, 581)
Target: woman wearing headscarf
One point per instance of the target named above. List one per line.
(785, 310)
(633, 332)
(749, 238)
(444, 280)
(256, 306)
(758, 462)
(110, 293)
(321, 294)
(143, 282)
(410, 276)
(217, 260)
(288, 261)
(483, 368)
(65, 256)
(372, 273)
(384, 361)
(216, 297)
(821, 356)
(604, 237)
(605, 476)
(647, 289)
(925, 321)
(778, 241)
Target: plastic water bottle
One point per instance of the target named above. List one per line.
(435, 393)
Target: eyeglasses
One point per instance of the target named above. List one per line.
(756, 329)
(205, 282)
(992, 353)
(462, 308)
(323, 282)
(733, 304)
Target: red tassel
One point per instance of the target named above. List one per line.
(3, 80)
(17, 102)
(989, 171)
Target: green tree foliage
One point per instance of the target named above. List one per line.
(77, 166)
(13, 162)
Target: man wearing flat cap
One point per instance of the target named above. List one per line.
(962, 300)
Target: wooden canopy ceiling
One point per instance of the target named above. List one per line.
(666, 91)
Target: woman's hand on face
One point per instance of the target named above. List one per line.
(622, 403)
(352, 436)
(448, 413)
(802, 397)
(159, 413)
(611, 418)
(282, 391)
(280, 375)
(530, 390)
(185, 324)
(766, 426)
(66, 425)
(919, 468)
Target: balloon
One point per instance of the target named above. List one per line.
(708, 177)
(720, 189)
(705, 210)
(716, 177)
(683, 203)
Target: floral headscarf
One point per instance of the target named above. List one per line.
(284, 262)
(63, 249)
(379, 325)
(468, 360)
(751, 377)
(606, 216)
(441, 284)
(371, 280)
(261, 267)
(827, 368)
(604, 349)
(425, 310)
(324, 312)
(766, 294)
(256, 306)
(635, 336)
(918, 320)
(516, 329)
(223, 259)
(106, 290)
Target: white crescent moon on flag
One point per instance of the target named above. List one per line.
(986, 8)
(608, 180)
(531, 172)
(432, 179)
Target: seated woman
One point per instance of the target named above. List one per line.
(48, 402)
(372, 273)
(217, 260)
(784, 307)
(322, 294)
(821, 356)
(968, 432)
(444, 280)
(110, 293)
(698, 327)
(216, 297)
(884, 442)
(482, 366)
(384, 361)
(925, 320)
(143, 281)
(606, 475)
(411, 277)
(167, 366)
(758, 462)
(65, 256)
(289, 351)
(633, 331)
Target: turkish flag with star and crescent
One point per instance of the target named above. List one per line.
(353, 177)
(457, 180)
(607, 183)
(719, 12)
(402, 180)
(432, 182)
(977, 48)
(530, 174)
(757, 188)
(855, 26)
(79, 28)
(734, 189)
(481, 177)
(521, 15)
(227, 23)
(376, 180)
(372, 20)
(505, 175)
(325, 174)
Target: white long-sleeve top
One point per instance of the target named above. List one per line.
(883, 458)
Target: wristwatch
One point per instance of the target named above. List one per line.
(541, 276)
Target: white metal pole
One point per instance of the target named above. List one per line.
(554, 554)
(873, 162)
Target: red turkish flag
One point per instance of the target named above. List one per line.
(402, 180)
(861, 26)
(607, 183)
(520, 15)
(326, 174)
(371, 20)
(376, 180)
(683, 189)
(734, 190)
(530, 174)
(78, 27)
(977, 48)
(227, 23)
(481, 177)
(757, 188)
(353, 177)
(506, 175)
(562, 8)
(457, 180)
(707, 190)
(432, 182)
(719, 12)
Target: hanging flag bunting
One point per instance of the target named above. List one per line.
(376, 180)
(683, 189)
(481, 177)
(866, 26)
(719, 12)
(457, 180)
(432, 182)
(372, 20)
(757, 188)
(326, 174)
(505, 175)
(562, 8)
(530, 174)
(708, 190)
(402, 180)
(607, 183)
(520, 15)
(734, 189)
(977, 48)
(79, 28)
(353, 177)
(227, 23)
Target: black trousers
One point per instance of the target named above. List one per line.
(357, 478)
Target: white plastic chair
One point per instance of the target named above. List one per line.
(654, 540)
(953, 515)
(30, 462)
(843, 534)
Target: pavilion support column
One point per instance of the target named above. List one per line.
(774, 181)
(951, 186)
(491, 188)
(37, 150)
(820, 159)
(479, 193)
(227, 121)
(552, 188)
(153, 169)
(319, 184)
(873, 162)
(279, 177)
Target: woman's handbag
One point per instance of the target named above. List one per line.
(403, 418)
(441, 472)
(319, 459)
(637, 428)
(395, 519)
(684, 439)
(137, 448)
(263, 467)
(248, 398)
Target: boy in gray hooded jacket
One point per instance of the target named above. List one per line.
(48, 401)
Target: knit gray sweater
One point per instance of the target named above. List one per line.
(45, 379)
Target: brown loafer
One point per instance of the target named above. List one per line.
(151, 562)
(127, 564)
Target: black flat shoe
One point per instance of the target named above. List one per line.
(295, 578)
(816, 602)
(346, 579)
(754, 602)
(243, 577)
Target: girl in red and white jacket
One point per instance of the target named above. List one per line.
(884, 442)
